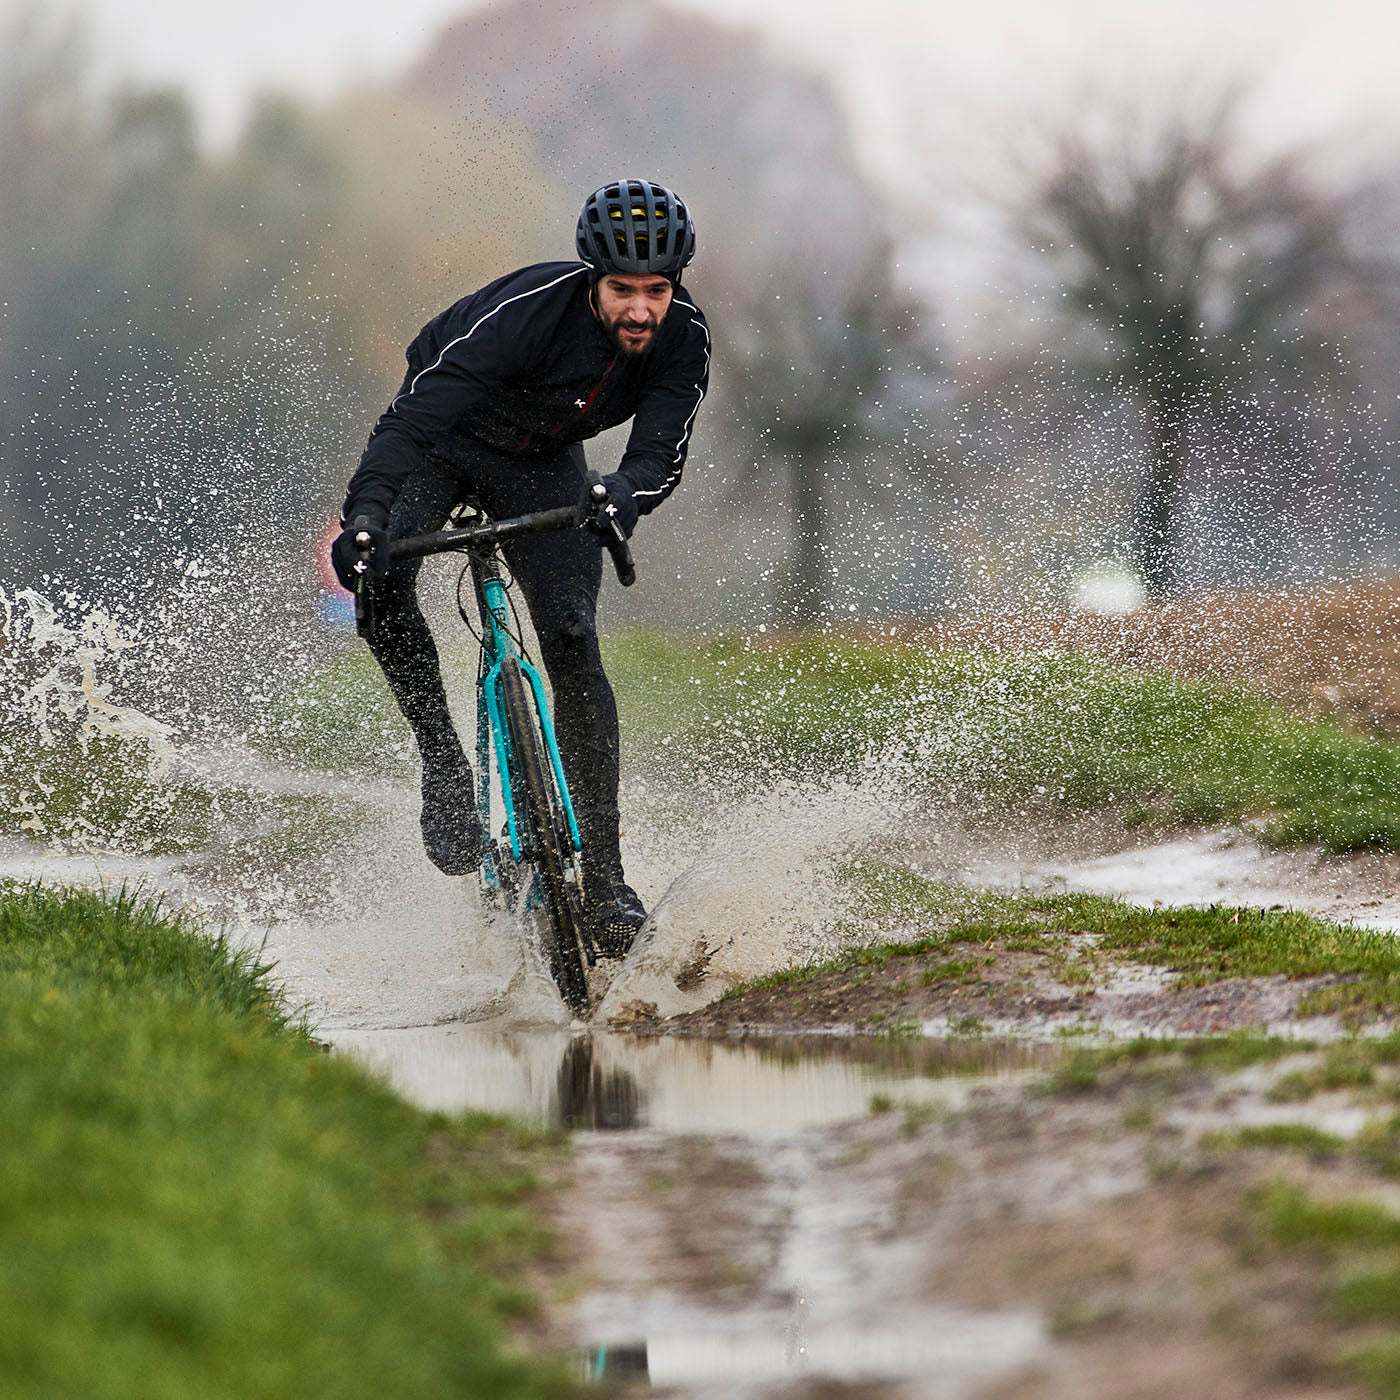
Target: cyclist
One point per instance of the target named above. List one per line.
(502, 389)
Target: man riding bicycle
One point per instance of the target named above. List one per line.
(501, 391)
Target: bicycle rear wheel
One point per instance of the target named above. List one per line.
(538, 798)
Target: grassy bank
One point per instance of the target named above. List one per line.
(195, 1200)
(983, 730)
(115, 794)
(1003, 729)
(986, 945)
(987, 730)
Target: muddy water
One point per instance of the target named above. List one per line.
(951, 1352)
(1222, 866)
(649, 1110)
(608, 1081)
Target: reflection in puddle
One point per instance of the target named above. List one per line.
(592, 1095)
(820, 1316)
(607, 1081)
(950, 1351)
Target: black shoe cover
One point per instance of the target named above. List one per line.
(451, 826)
(614, 914)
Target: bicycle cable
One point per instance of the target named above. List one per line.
(461, 609)
(513, 630)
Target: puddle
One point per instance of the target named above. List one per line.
(610, 1081)
(838, 1305)
(951, 1352)
(1223, 866)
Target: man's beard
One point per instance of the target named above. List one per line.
(628, 346)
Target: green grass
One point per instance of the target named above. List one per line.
(1152, 1057)
(954, 928)
(1277, 1137)
(111, 793)
(77, 791)
(339, 719)
(1351, 1064)
(1293, 1217)
(1057, 728)
(995, 730)
(875, 956)
(195, 1200)
(1358, 1242)
(998, 730)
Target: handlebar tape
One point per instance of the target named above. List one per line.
(493, 531)
(621, 553)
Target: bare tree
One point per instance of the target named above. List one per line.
(1197, 274)
(812, 361)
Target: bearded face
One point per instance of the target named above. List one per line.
(630, 308)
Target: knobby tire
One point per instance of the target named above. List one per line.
(545, 822)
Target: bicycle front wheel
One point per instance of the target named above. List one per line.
(538, 797)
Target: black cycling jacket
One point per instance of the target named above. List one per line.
(523, 366)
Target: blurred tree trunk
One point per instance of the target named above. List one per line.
(813, 364)
(1198, 278)
(1156, 524)
(810, 564)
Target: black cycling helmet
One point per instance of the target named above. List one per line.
(635, 226)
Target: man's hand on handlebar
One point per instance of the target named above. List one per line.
(361, 550)
(607, 508)
(615, 507)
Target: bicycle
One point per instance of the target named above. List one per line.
(535, 863)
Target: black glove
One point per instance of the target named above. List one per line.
(620, 507)
(346, 554)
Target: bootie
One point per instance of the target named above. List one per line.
(450, 822)
(614, 912)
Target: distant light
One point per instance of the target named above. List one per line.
(1107, 586)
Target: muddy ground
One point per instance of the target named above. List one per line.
(1057, 1236)
(990, 989)
(1321, 651)
(1094, 1229)
(1063, 983)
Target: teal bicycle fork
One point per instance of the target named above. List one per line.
(492, 733)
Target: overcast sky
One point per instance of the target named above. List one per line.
(940, 91)
(943, 66)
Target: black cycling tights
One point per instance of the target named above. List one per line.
(559, 574)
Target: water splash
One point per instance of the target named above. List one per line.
(764, 895)
(73, 694)
(80, 766)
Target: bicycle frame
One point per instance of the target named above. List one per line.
(479, 540)
(492, 735)
(534, 792)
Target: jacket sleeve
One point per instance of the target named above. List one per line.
(660, 437)
(432, 400)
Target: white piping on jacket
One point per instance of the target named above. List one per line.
(671, 480)
(573, 272)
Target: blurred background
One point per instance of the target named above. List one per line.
(1013, 304)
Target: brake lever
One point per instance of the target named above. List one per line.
(364, 601)
(618, 546)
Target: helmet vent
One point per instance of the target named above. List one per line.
(635, 226)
